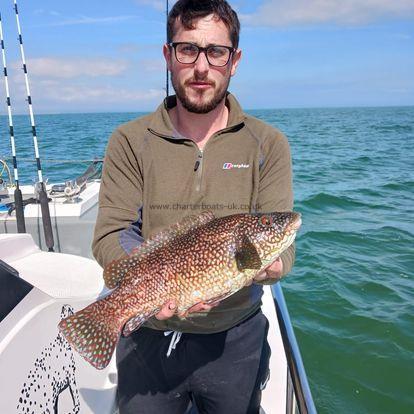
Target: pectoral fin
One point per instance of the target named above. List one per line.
(135, 322)
(247, 256)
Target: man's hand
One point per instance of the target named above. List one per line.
(170, 308)
(273, 271)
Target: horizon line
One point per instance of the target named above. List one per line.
(245, 110)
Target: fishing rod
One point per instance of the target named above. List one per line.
(18, 199)
(43, 199)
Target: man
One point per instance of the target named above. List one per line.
(198, 151)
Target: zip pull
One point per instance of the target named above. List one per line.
(198, 162)
(198, 168)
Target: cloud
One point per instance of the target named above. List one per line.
(43, 12)
(152, 65)
(92, 20)
(78, 84)
(65, 68)
(62, 95)
(58, 92)
(156, 4)
(132, 48)
(401, 36)
(283, 13)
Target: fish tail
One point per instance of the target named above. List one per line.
(93, 332)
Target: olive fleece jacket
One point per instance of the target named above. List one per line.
(153, 177)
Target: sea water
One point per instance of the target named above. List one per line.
(351, 293)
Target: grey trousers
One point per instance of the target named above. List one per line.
(219, 373)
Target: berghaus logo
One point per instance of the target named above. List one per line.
(230, 166)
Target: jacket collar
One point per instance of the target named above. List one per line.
(161, 123)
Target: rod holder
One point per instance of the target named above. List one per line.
(47, 223)
(18, 203)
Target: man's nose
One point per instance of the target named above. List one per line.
(201, 65)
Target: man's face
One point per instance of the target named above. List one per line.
(199, 86)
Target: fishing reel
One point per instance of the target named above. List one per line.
(4, 169)
(72, 191)
(69, 190)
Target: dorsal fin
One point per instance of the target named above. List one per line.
(117, 269)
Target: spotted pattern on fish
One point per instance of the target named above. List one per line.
(200, 259)
(117, 269)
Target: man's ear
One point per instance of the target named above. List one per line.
(235, 61)
(166, 50)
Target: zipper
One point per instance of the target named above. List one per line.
(198, 168)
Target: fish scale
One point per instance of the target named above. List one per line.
(199, 259)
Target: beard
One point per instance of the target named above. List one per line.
(196, 107)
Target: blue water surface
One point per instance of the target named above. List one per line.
(351, 293)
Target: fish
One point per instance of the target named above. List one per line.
(199, 259)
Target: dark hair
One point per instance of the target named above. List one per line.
(189, 10)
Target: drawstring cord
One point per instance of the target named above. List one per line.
(174, 340)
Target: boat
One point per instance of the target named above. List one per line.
(38, 288)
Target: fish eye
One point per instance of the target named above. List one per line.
(266, 221)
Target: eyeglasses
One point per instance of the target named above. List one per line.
(188, 53)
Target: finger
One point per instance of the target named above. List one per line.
(261, 276)
(214, 304)
(198, 307)
(274, 273)
(167, 311)
(202, 307)
(271, 274)
(276, 266)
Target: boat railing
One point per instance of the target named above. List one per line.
(299, 397)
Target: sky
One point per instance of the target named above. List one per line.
(106, 56)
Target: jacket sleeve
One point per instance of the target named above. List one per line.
(275, 187)
(119, 221)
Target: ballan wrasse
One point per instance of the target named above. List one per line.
(199, 259)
